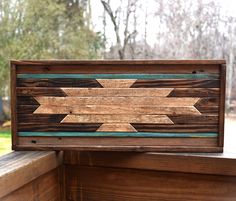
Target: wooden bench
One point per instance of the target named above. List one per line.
(166, 105)
(46, 176)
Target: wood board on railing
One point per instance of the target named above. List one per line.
(145, 105)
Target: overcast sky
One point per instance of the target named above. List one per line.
(228, 7)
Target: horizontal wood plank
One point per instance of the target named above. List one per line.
(114, 109)
(195, 92)
(110, 118)
(117, 143)
(174, 83)
(175, 128)
(125, 101)
(40, 118)
(65, 82)
(187, 119)
(114, 92)
(44, 127)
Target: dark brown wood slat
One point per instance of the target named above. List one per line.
(26, 100)
(26, 109)
(120, 68)
(138, 185)
(58, 82)
(79, 127)
(207, 102)
(192, 128)
(36, 91)
(195, 92)
(114, 62)
(181, 83)
(40, 118)
(187, 119)
(208, 110)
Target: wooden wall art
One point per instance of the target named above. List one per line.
(145, 105)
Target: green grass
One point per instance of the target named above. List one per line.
(5, 142)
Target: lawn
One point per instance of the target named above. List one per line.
(5, 142)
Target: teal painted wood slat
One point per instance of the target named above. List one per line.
(115, 134)
(120, 76)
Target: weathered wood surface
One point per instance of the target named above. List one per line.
(20, 168)
(120, 99)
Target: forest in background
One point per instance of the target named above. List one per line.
(66, 29)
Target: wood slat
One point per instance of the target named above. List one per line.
(125, 101)
(174, 83)
(207, 102)
(114, 92)
(141, 127)
(145, 67)
(44, 127)
(66, 82)
(117, 143)
(26, 109)
(114, 109)
(38, 91)
(40, 118)
(137, 185)
(208, 110)
(187, 119)
(116, 128)
(116, 83)
(195, 92)
(109, 118)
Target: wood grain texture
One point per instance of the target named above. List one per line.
(81, 127)
(125, 127)
(195, 92)
(43, 188)
(160, 101)
(186, 163)
(174, 83)
(109, 118)
(222, 104)
(65, 82)
(116, 83)
(19, 168)
(53, 93)
(40, 118)
(110, 109)
(137, 185)
(116, 144)
(116, 91)
(175, 128)
(13, 105)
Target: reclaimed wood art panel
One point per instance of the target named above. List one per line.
(165, 105)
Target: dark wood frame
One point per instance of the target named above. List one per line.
(17, 141)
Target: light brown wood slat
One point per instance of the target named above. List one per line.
(116, 128)
(116, 83)
(160, 101)
(70, 142)
(115, 109)
(113, 92)
(161, 119)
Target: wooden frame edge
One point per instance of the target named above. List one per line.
(166, 149)
(222, 104)
(13, 105)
